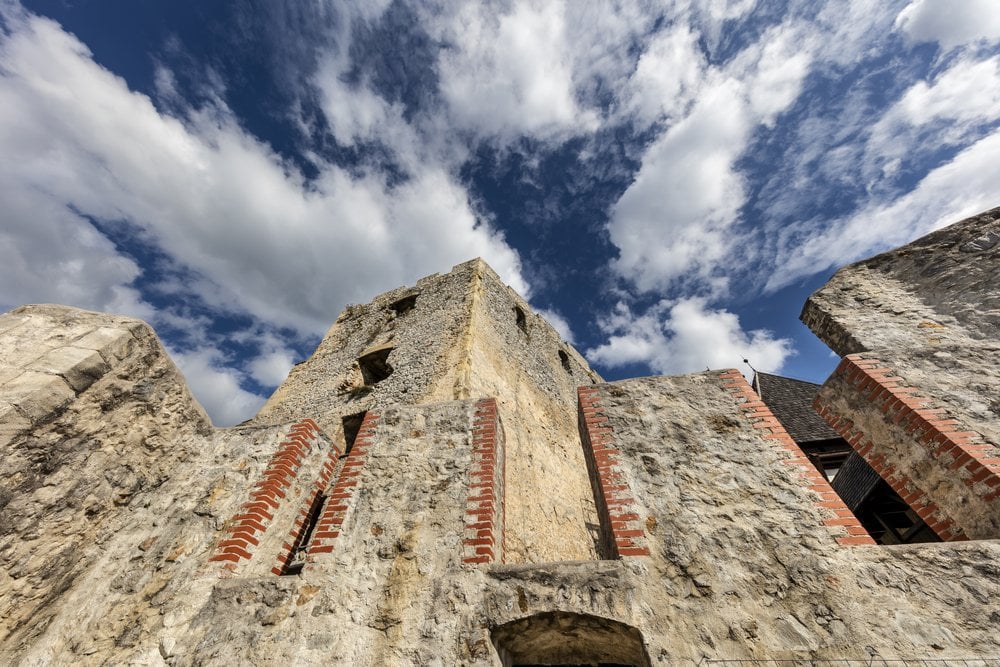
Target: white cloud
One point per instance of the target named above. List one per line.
(949, 110)
(967, 90)
(511, 74)
(216, 387)
(950, 23)
(671, 220)
(271, 368)
(686, 336)
(666, 78)
(558, 323)
(672, 223)
(966, 185)
(76, 139)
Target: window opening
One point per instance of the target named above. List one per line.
(352, 424)
(404, 305)
(520, 319)
(564, 360)
(298, 559)
(375, 365)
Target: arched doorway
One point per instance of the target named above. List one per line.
(564, 638)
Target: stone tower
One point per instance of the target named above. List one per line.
(446, 482)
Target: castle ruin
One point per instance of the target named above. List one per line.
(447, 482)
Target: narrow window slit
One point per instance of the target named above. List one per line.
(520, 319)
(352, 424)
(564, 360)
(298, 556)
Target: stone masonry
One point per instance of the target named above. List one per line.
(446, 482)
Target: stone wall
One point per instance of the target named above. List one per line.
(465, 526)
(917, 392)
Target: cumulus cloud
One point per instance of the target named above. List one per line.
(78, 144)
(950, 24)
(686, 336)
(666, 78)
(511, 74)
(218, 199)
(673, 221)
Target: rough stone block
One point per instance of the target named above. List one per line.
(80, 367)
(38, 394)
(113, 344)
(8, 373)
(11, 423)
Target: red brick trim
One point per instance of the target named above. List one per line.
(484, 511)
(296, 534)
(246, 529)
(974, 460)
(839, 520)
(339, 501)
(621, 526)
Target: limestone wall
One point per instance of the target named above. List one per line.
(924, 322)
(534, 375)
(425, 356)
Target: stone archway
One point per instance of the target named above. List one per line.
(565, 638)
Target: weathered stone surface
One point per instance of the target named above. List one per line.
(78, 366)
(38, 395)
(116, 499)
(928, 315)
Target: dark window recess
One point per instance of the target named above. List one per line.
(375, 365)
(404, 305)
(564, 360)
(520, 319)
(352, 424)
(565, 638)
(827, 455)
(298, 559)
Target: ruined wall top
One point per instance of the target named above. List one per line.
(941, 288)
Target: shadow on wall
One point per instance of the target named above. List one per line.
(563, 638)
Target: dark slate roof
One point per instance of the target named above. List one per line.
(855, 481)
(791, 402)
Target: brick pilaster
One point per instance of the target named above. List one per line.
(621, 526)
(484, 512)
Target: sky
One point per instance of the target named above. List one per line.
(665, 182)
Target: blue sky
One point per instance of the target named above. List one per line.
(665, 182)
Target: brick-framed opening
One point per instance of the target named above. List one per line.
(338, 505)
(918, 422)
(622, 532)
(483, 540)
(839, 520)
(246, 531)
